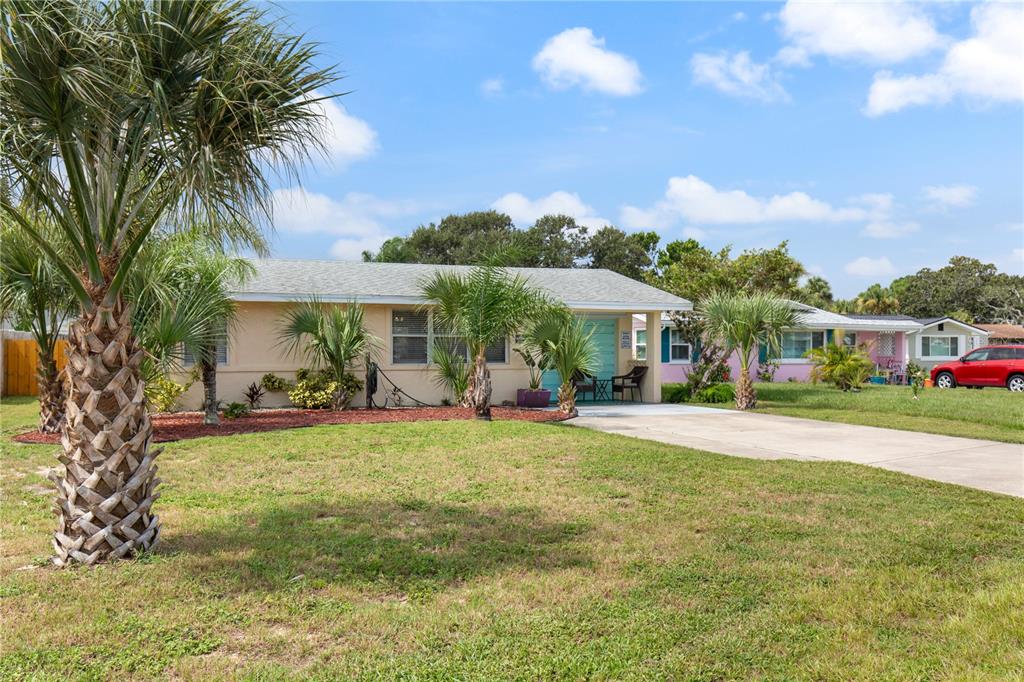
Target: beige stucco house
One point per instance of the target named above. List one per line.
(396, 314)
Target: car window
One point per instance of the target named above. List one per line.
(977, 355)
(1018, 353)
(1001, 354)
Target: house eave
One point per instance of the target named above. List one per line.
(269, 297)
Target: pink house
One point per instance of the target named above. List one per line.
(884, 337)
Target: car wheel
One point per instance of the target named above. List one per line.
(1016, 383)
(945, 380)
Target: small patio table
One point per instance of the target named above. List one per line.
(604, 387)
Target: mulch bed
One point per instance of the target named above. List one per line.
(185, 425)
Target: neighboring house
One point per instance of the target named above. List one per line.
(942, 339)
(885, 338)
(1003, 333)
(396, 314)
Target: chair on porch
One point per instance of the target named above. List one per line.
(584, 384)
(897, 372)
(631, 380)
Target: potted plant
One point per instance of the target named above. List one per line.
(534, 396)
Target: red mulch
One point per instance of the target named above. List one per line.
(185, 425)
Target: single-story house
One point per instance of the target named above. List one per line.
(1004, 333)
(887, 339)
(396, 314)
(942, 339)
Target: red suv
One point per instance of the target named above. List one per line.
(988, 366)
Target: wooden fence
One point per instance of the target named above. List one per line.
(20, 360)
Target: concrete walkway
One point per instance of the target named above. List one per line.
(982, 464)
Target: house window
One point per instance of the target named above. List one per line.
(940, 346)
(188, 360)
(796, 344)
(641, 344)
(679, 348)
(850, 339)
(409, 333)
(413, 335)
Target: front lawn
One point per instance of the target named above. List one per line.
(469, 550)
(991, 413)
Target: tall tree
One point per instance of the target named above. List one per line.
(816, 291)
(877, 300)
(554, 241)
(964, 284)
(113, 116)
(631, 254)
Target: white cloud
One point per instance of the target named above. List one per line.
(865, 31)
(694, 233)
(1014, 264)
(576, 57)
(358, 219)
(870, 267)
(887, 229)
(346, 137)
(525, 211)
(698, 201)
(988, 67)
(492, 87)
(737, 75)
(951, 196)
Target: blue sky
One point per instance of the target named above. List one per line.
(876, 138)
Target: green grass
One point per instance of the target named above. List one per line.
(468, 550)
(993, 414)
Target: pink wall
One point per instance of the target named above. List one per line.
(797, 371)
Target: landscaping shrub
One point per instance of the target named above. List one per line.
(839, 365)
(677, 393)
(719, 393)
(254, 395)
(163, 394)
(236, 410)
(272, 382)
(315, 390)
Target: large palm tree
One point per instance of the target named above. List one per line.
(743, 323)
(333, 337)
(481, 307)
(115, 118)
(33, 293)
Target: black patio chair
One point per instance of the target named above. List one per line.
(584, 384)
(631, 380)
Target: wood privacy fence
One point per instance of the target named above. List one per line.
(20, 362)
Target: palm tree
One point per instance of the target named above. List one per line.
(481, 307)
(116, 118)
(570, 352)
(33, 293)
(744, 322)
(877, 300)
(181, 306)
(332, 337)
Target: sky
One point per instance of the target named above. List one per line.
(877, 138)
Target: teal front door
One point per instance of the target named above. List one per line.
(604, 340)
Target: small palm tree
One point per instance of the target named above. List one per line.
(539, 338)
(452, 371)
(334, 338)
(742, 323)
(482, 306)
(572, 352)
(33, 292)
(843, 367)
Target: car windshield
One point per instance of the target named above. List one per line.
(977, 355)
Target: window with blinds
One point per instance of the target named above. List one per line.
(414, 334)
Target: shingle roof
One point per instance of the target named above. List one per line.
(1004, 331)
(926, 322)
(279, 279)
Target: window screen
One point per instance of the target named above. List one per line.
(796, 344)
(408, 337)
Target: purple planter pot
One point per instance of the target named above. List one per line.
(527, 398)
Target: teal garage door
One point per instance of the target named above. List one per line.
(604, 340)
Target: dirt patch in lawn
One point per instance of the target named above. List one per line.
(185, 425)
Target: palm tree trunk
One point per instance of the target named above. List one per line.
(567, 398)
(105, 495)
(746, 397)
(480, 387)
(51, 395)
(209, 371)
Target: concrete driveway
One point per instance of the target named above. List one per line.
(982, 464)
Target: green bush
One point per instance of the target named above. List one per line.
(843, 367)
(315, 390)
(676, 393)
(162, 393)
(272, 382)
(236, 410)
(717, 393)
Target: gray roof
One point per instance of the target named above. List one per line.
(927, 322)
(869, 316)
(279, 279)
